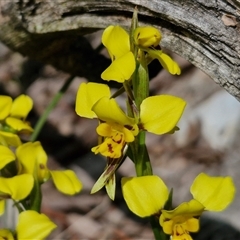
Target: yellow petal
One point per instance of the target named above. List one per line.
(183, 212)
(192, 224)
(121, 69)
(115, 130)
(108, 110)
(5, 234)
(21, 106)
(116, 40)
(109, 148)
(66, 182)
(33, 158)
(88, 94)
(5, 106)
(215, 193)
(6, 156)
(2, 206)
(168, 226)
(145, 195)
(104, 130)
(147, 36)
(129, 135)
(17, 187)
(33, 225)
(189, 209)
(160, 114)
(18, 124)
(167, 62)
(11, 139)
(180, 230)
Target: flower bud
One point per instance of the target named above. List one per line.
(147, 36)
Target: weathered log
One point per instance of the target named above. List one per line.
(206, 33)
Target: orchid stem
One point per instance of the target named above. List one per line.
(38, 127)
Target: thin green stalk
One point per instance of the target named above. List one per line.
(141, 92)
(36, 197)
(141, 83)
(142, 162)
(50, 107)
(18, 206)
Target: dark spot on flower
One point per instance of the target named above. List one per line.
(129, 127)
(41, 166)
(119, 141)
(140, 126)
(110, 149)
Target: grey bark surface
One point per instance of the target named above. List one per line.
(206, 33)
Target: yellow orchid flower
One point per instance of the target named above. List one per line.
(93, 100)
(182, 220)
(158, 115)
(12, 118)
(31, 225)
(117, 42)
(147, 195)
(33, 160)
(115, 127)
(16, 188)
(147, 38)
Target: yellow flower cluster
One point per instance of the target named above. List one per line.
(23, 168)
(117, 129)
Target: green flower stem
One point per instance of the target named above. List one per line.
(47, 111)
(36, 197)
(142, 162)
(141, 91)
(17, 205)
(141, 81)
(140, 154)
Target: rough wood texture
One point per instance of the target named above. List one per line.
(206, 33)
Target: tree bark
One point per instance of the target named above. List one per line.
(206, 33)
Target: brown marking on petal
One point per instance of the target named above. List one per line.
(110, 148)
(41, 166)
(140, 126)
(128, 127)
(119, 141)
